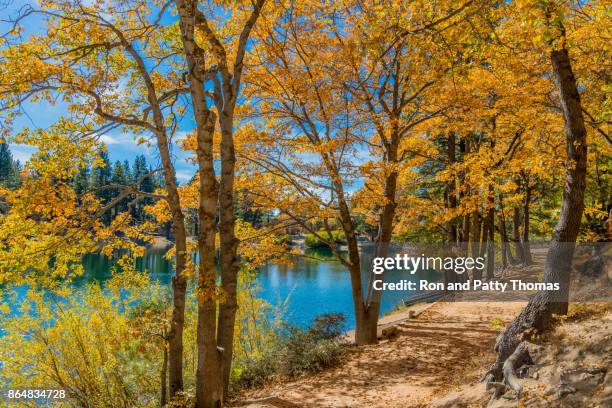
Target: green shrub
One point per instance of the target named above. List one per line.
(328, 326)
(297, 351)
(313, 241)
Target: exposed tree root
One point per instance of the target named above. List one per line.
(512, 350)
(516, 360)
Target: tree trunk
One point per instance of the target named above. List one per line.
(163, 399)
(491, 246)
(465, 233)
(229, 247)
(516, 235)
(482, 245)
(179, 284)
(507, 257)
(451, 191)
(385, 231)
(366, 326)
(177, 323)
(464, 147)
(209, 384)
(525, 238)
(225, 94)
(491, 234)
(540, 309)
(366, 320)
(476, 224)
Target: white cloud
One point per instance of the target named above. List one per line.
(22, 152)
(183, 176)
(109, 140)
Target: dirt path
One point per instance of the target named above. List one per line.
(437, 354)
(443, 346)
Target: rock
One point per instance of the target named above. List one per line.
(583, 378)
(566, 390)
(389, 333)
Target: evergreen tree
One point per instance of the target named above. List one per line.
(119, 177)
(140, 167)
(244, 210)
(128, 172)
(138, 170)
(16, 177)
(6, 162)
(81, 180)
(9, 168)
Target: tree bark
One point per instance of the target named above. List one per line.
(527, 260)
(539, 311)
(516, 235)
(476, 224)
(209, 384)
(229, 246)
(366, 326)
(491, 234)
(491, 245)
(383, 240)
(226, 87)
(464, 147)
(465, 233)
(366, 320)
(482, 246)
(179, 283)
(507, 257)
(179, 287)
(163, 399)
(452, 191)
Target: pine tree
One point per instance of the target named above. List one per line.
(6, 163)
(9, 168)
(119, 177)
(139, 169)
(244, 210)
(128, 172)
(81, 180)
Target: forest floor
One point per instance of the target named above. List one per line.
(437, 354)
(447, 345)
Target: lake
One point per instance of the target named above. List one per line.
(312, 285)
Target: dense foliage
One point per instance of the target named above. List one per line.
(466, 122)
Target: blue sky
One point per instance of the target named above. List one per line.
(121, 146)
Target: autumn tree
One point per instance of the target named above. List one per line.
(127, 65)
(87, 55)
(548, 20)
(331, 125)
(218, 61)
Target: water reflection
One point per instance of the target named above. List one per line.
(312, 284)
(99, 267)
(315, 284)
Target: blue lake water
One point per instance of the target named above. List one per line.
(312, 285)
